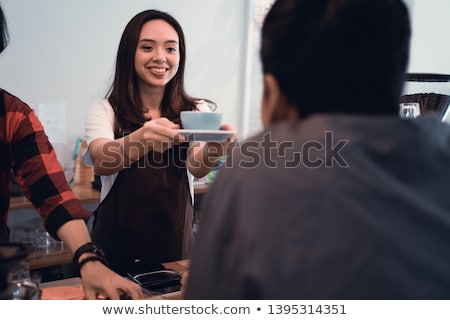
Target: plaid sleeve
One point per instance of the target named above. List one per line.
(37, 169)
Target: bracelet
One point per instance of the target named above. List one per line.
(88, 247)
(92, 258)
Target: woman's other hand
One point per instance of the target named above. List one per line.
(220, 149)
(203, 156)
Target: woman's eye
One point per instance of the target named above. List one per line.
(147, 48)
(171, 50)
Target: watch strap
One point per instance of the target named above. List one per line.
(85, 248)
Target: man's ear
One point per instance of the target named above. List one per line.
(274, 105)
(270, 97)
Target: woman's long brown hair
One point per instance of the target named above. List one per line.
(124, 95)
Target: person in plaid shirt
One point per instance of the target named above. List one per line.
(26, 152)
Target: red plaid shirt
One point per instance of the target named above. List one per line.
(24, 148)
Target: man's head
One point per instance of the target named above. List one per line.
(335, 56)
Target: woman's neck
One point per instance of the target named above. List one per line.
(151, 102)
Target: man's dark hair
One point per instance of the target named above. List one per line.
(338, 56)
(3, 31)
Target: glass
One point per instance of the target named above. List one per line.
(43, 242)
(409, 110)
(15, 280)
(24, 286)
(25, 235)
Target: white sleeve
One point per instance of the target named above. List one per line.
(99, 124)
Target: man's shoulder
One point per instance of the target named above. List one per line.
(12, 104)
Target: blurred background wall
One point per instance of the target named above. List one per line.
(62, 53)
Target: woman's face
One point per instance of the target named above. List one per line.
(157, 54)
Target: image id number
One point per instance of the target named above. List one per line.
(306, 309)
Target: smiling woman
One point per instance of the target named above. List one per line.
(146, 211)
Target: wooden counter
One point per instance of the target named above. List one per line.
(83, 191)
(59, 289)
(53, 256)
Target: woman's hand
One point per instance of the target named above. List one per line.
(111, 156)
(216, 150)
(203, 156)
(161, 135)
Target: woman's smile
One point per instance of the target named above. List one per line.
(158, 71)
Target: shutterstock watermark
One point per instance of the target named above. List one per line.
(268, 152)
(292, 154)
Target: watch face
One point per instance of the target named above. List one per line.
(98, 251)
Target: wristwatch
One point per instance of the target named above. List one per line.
(88, 247)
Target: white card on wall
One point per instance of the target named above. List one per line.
(53, 118)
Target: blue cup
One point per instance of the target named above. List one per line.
(196, 120)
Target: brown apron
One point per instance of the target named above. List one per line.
(147, 214)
